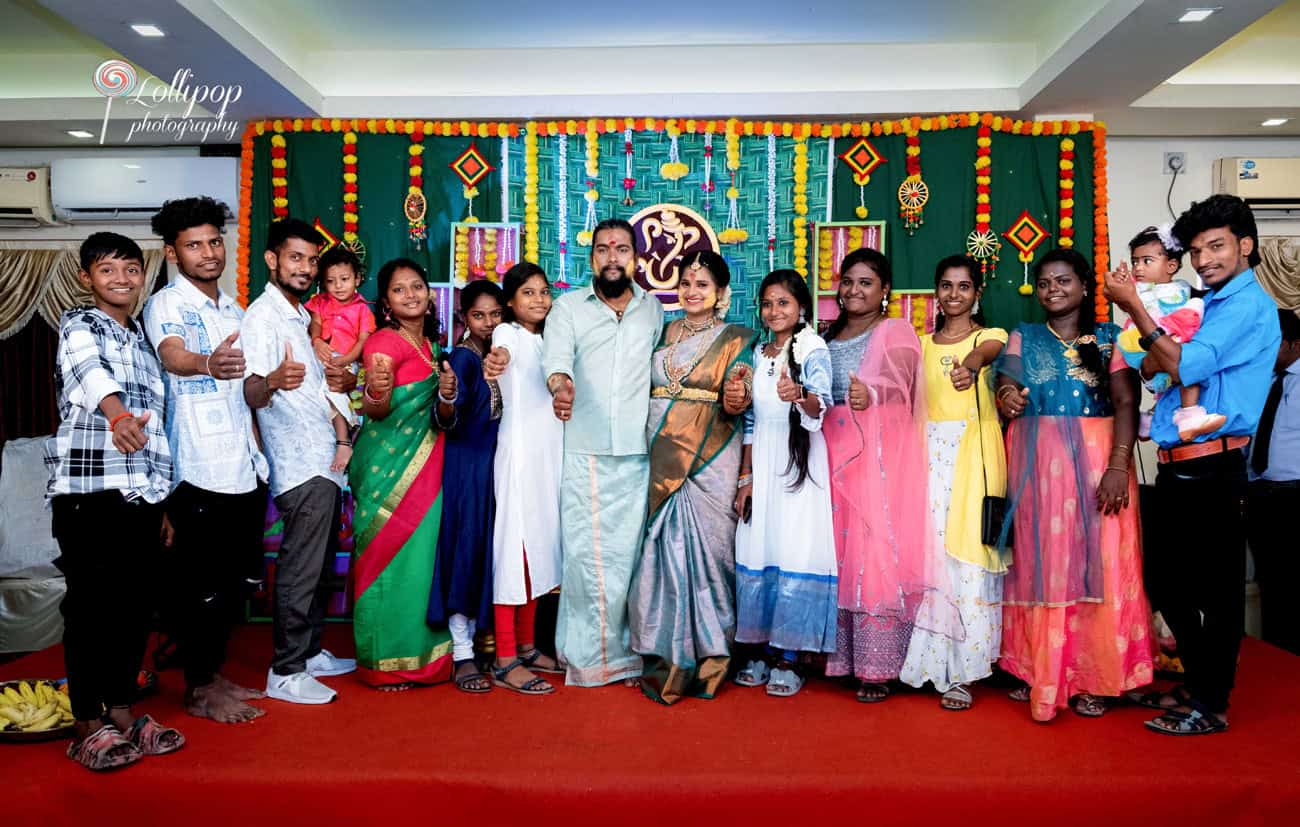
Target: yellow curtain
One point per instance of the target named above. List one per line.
(1279, 270)
(44, 281)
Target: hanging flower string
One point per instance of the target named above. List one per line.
(531, 241)
(825, 259)
(674, 169)
(461, 256)
(415, 205)
(279, 178)
(628, 180)
(982, 244)
(733, 233)
(592, 195)
(562, 207)
(800, 222)
(830, 177)
(1100, 222)
(771, 202)
(506, 255)
(350, 216)
(1065, 236)
(505, 177)
(707, 185)
(913, 193)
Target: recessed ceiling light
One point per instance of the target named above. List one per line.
(147, 30)
(80, 133)
(1197, 15)
(131, 166)
(1275, 121)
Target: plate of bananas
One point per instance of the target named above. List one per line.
(34, 710)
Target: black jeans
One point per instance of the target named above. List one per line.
(1201, 505)
(1271, 512)
(108, 551)
(311, 540)
(216, 535)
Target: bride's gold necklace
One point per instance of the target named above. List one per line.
(675, 374)
(1071, 352)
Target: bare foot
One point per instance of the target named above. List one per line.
(213, 702)
(395, 687)
(241, 693)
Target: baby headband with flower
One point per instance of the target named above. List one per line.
(1167, 237)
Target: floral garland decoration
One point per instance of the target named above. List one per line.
(415, 205)
(982, 244)
(1100, 222)
(531, 224)
(830, 178)
(918, 315)
(506, 255)
(1066, 193)
(628, 180)
(733, 233)
(505, 176)
(350, 216)
(279, 178)
(673, 169)
(562, 207)
(801, 206)
(771, 202)
(461, 256)
(490, 253)
(242, 255)
(706, 186)
(592, 195)
(913, 193)
(825, 259)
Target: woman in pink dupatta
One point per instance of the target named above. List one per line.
(890, 580)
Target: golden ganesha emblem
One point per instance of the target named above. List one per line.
(665, 233)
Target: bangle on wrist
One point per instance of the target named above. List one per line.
(207, 366)
(112, 423)
(343, 442)
(744, 480)
(372, 398)
(444, 400)
(1116, 468)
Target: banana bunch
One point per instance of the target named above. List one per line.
(33, 706)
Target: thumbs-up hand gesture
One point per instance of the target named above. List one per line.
(494, 364)
(379, 376)
(859, 395)
(129, 435)
(227, 361)
(447, 388)
(786, 388)
(289, 375)
(735, 394)
(562, 397)
(961, 377)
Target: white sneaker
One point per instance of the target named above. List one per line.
(298, 688)
(324, 665)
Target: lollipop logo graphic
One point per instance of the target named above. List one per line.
(113, 79)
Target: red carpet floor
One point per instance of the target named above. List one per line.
(609, 756)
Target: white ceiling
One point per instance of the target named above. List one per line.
(1125, 61)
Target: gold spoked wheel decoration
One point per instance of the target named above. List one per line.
(913, 194)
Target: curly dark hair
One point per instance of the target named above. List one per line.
(1219, 211)
(177, 216)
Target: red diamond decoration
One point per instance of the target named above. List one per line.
(1025, 233)
(470, 166)
(862, 157)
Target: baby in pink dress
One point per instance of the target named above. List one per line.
(341, 320)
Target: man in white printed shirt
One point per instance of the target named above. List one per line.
(286, 387)
(218, 504)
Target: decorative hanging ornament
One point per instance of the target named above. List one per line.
(913, 193)
(279, 178)
(414, 205)
(470, 167)
(1025, 235)
(771, 202)
(706, 186)
(674, 169)
(331, 240)
(982, 244)
(350, 215)
(628, 180)
(862, 158)
(1065, 193)
(733, 233)
(592, 195)
(562, 207)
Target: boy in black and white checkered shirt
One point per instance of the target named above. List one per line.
(110, 469)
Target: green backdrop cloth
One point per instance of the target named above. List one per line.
(1024, 171)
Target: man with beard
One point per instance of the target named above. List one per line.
(219, 500)
(597, 356)
(286, 387)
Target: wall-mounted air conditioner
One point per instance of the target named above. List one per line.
(1271, 186)
(25, 197)
(134, 188)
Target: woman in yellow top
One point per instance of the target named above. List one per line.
(967, 460)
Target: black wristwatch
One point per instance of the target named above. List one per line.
(1148, 340)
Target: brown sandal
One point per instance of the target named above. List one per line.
(152, 738)
(104, 749)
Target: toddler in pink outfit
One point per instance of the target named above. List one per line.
(341, 320)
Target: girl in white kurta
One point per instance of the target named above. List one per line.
(785, 546)
(526, 539)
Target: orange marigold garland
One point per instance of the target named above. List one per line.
(279, 177)
(350, 215)
(245, 213)
(1065, 192)
(982, 244)
(1100, 223)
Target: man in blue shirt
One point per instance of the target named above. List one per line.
(1275, 492)
(1231, 357)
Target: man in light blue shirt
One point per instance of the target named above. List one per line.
(1200, 485)
(600, 341)
(1275, 493)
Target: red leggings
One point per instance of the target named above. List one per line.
(513, 625)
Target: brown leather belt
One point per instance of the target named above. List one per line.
(1195, 450)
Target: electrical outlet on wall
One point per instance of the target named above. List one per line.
(1175, 162)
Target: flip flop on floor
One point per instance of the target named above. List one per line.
(1089, 706)
(957, 699)
(532, 686)
(783, 683)
(474, 682)
(755, 673)
(104, 749)
(529, 659)
(873, 692)
(1195, 722)
(1151, 700)
(152, 738)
